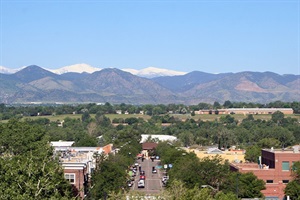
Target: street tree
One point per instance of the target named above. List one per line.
(244, 185)
(293, 187)
(252, 153)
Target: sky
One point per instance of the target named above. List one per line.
(209, 36)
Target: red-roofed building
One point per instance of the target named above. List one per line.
(149, 145)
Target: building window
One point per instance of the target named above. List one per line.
(70, 177)
(269, 181)
(285, 181)
(285, 165)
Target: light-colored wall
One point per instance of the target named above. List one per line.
(231, 156)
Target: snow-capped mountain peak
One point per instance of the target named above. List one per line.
(5, 70)
(151, 72)
(78, 68)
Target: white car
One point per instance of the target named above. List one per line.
(165, 179)
(141, 184)
(154, 171)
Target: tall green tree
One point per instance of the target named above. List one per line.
(28, 168)
(244, 185)
(293, 187)
(252, 153)
(277, 117)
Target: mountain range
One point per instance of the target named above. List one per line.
(35, 84)
(148, 72)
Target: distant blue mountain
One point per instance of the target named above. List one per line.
(34, 83)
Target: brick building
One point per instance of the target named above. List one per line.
(78, 163)
(274, 168)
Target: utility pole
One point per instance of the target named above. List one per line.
(237, 185)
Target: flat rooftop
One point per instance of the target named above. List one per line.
(248, 166)
(285, 151)
(75, 157)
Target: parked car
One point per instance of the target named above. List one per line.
(142, 177)
(130, 183)
(142, 173)
(165, 180)
(154, 171)
(141, 184)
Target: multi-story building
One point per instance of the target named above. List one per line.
(274, 167)
(78, 163)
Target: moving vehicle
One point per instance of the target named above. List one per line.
(141, 184)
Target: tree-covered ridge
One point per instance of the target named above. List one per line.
(11, 111)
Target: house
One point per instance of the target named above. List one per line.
(149, 146)
(214, 151)
(274, 167)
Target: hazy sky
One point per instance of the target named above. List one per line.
(209, 36)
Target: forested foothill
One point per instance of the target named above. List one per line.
(29, 170)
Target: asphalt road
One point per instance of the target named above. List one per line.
(153, 184)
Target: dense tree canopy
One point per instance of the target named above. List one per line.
(28, 137)
(28, 169)
(191, 173)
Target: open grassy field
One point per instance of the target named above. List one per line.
(146, 117)
(113, 116)
(54, 118)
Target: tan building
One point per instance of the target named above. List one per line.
(235, 156)
(247, 111)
